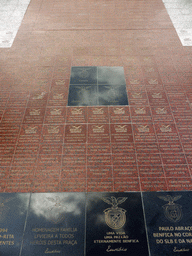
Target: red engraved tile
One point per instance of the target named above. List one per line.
(21, 173)
(144, 133)
(50, 185)
(98, 149)
(74, 160)
(170, 147)
(94, 160)
(177, 171)
(148, 159)
(55, 115)
(124, 171)
(58, 85)
(34, 116)
(13, 115)
(160, 113)
(81, 61)
(38, 99)
(73, 185)
(187, 148)
(9, 133)
(57, 98)
(18, 185)
(151, 171)
(98, 115)
(76, 115)
(47, 174)
(49, 161)
(137, 98)
(4, 173)
(2, 185)
(121, 133)
(177, 158)
(30, 133)
(98, 133)
(124, 159)
(166, 131)
(123, 148)
(52, 134)
(157, 98)
(147, 147)
(69, 172)
(119, 114)
(189, 158)
(75, 133)
(141, 113)
(61, 72)
(98, 172)
(50, 148)
(24, 160)
(26, 148)
(63, 60)
(99, 185)
(153, 184)
(126, 184)
(74, 149)
(177, 184)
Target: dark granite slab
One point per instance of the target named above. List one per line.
(55, 225)
(83, 95)
(111, 76)
(112, 94)
(115, 225)
(83, 75)
(96, 86)
(13, 211)
(169, 222)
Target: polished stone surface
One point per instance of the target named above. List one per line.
(97, 86)
(169, 222)
(13, 213)
(115, 225)
(55, 225)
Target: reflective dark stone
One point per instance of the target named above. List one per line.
(13, 211)
(55, 225)
(96, 86)
(112, 95)
(111, 76)
(115, 225)
(169, 222)
(82, 95)
(83, 75)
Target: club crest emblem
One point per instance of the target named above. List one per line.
(172, 211)
(115, 217)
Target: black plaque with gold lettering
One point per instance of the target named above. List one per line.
(55, 225)
(169, 222)
(115, 225)
(13, 212)
(97, 86)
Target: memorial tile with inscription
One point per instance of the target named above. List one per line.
(55, 225)
(95, 86)
(169, 222)
(13, 211)
(115, 225)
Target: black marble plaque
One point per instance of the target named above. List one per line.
(169, 222)
(112, 94)
(83, 75)
(115, 225)
(96, 86)
(83, 95)
(55, 225)
(111, 76)
(13, 211)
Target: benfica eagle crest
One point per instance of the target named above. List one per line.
(115, 217)
(172, 211)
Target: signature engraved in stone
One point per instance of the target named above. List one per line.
(180, 250)
(119, 249)
(52, 251)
